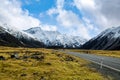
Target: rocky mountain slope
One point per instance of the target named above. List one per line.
(54, 39)
(24, 39)
(36, 37)
(7, 39)
(107, 40)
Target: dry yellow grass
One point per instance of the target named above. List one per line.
(111, 53)
(54, 66)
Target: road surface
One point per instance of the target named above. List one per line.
(109, 62)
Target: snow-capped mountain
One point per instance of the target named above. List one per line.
(36, 37)
(26, 39)
(7, 39)
(56, 39)
(108, 39)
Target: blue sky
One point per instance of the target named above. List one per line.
(39, 8)
(85, 18)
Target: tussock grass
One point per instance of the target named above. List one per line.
(111, 53)
(54, 66)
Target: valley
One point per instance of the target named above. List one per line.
(36, 54)
(59, 40)
(48, 64)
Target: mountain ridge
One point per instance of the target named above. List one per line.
(106, 40)
(56, 39)
(7, 39)
(36, 37)
(25, 39)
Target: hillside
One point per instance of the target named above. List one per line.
(11, 36)
(107, 40)
(7, 39)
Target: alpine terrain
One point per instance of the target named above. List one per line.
(36, 37)
(14, 37)
(54, 39)
(107, 40)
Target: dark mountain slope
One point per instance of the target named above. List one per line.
(107, 40)
(7, 39)
(54, 39)
(10, 36)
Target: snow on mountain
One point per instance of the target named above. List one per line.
(69, 41)
(108, 39)
(51, 35)
(39, 34)
(7, 39)
(16, 32)
(36, 37)
(114, 32)
(55, 38)
(24, 37)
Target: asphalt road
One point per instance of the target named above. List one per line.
(109, 62)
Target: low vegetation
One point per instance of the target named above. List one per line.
(43, 64)
(111, 53)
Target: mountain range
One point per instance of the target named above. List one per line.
(11, 36)
(36, 37)
(53, 39)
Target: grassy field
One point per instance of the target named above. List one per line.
(99, 52)
(43, 64)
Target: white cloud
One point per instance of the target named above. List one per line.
(110, 9)
(97, 15)
(72, 22)
(12, 14)
(69, 20)
(48, 27)
(60, 4)
(52, 11)
(85, 4)
(103, 13)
